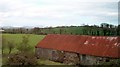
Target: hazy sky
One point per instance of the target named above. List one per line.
(57, 12)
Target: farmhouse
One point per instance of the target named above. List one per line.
(79, 49)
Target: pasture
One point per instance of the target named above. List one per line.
(17, 39)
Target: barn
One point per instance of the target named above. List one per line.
(78, 49)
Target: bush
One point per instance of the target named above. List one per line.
(22, 59)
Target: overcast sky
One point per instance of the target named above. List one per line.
(57, 12)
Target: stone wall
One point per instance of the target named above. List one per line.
(43, 53)
(93, 60)
(87, 60)
(69, 57)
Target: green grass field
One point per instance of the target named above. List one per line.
(33, 40)
(69, 30)
(73, 30)
(48, 62)
(17, 39)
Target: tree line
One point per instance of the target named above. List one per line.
(104, 29)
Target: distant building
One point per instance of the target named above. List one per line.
(79, 49)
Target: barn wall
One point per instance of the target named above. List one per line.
(88, 60)
(69, 57)
(43, 53)
(55, 55)
(93, 60)
(50, 54)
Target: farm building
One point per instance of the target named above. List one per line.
(78, 49)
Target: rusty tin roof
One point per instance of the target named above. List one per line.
(104, 46)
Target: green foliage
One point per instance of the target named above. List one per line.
(20, 41)
(7, 44)
(3, 44)
(24, 45)
(18, 38)
(118, 61)
(104, 29)
(113, 62)
(10, 46)
(48, 62)
(64, 30)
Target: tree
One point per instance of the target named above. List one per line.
(111, 26)
(104, 25)
(98, 33)
(24, 45)
(107, 25)
(10, 46)
(36, 30)
(60, 31)
(54, 32)
(27, 31)
(65, 31)
(85, 31)
(104, 32)
(118, 30)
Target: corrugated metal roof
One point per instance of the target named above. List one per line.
(105, 46)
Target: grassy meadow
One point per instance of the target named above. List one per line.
(17, 39)
(69, 30)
